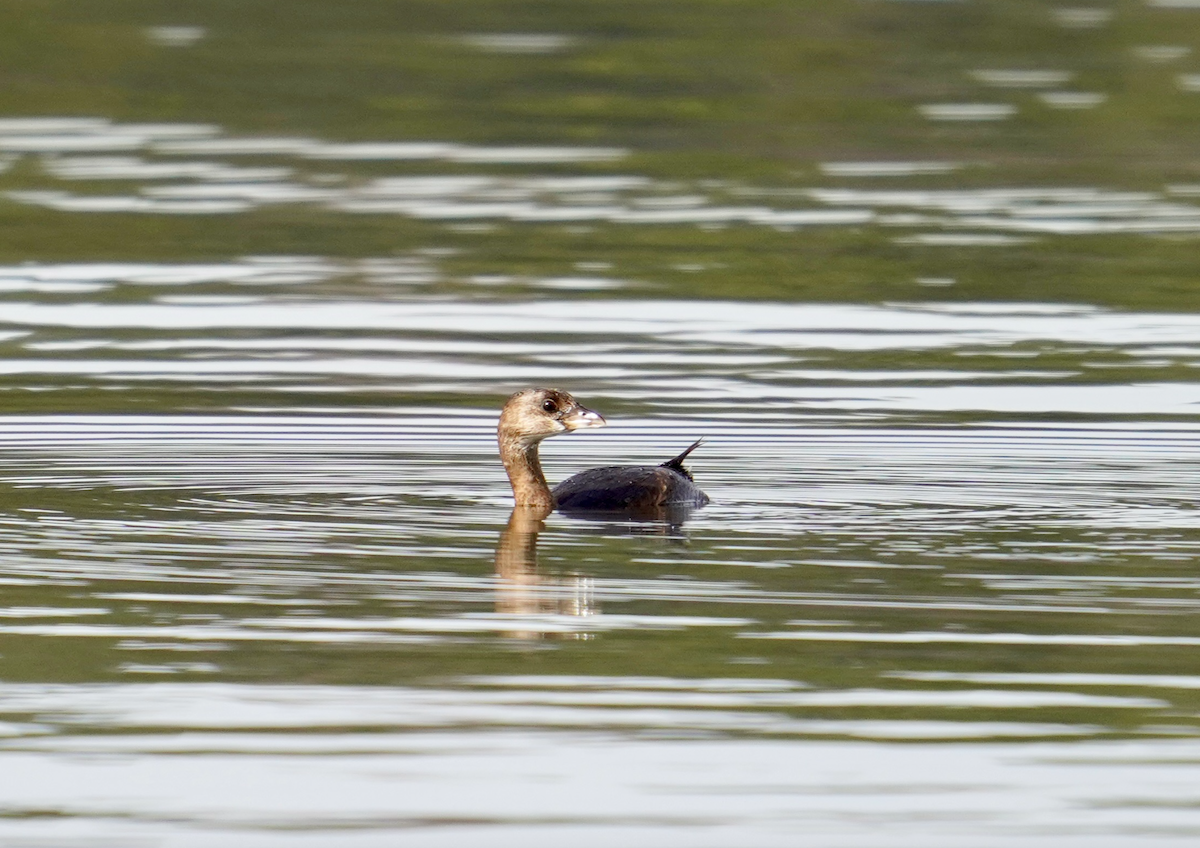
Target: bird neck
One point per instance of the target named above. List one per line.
(520, 458)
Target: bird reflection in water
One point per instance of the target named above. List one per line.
(527, 596)
(524, 594)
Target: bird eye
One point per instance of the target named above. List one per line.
(550, 406)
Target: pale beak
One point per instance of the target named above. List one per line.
(581, 418)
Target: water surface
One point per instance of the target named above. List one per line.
(982, 541)
(921, 274)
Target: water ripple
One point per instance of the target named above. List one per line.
(74, 149)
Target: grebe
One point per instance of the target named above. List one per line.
(535, 414)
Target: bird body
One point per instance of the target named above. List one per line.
(630, 487)
(532, 415)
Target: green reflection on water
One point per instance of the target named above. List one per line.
(754, 93)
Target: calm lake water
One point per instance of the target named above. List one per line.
(263, 583)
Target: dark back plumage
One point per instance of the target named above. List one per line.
(618, 488)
